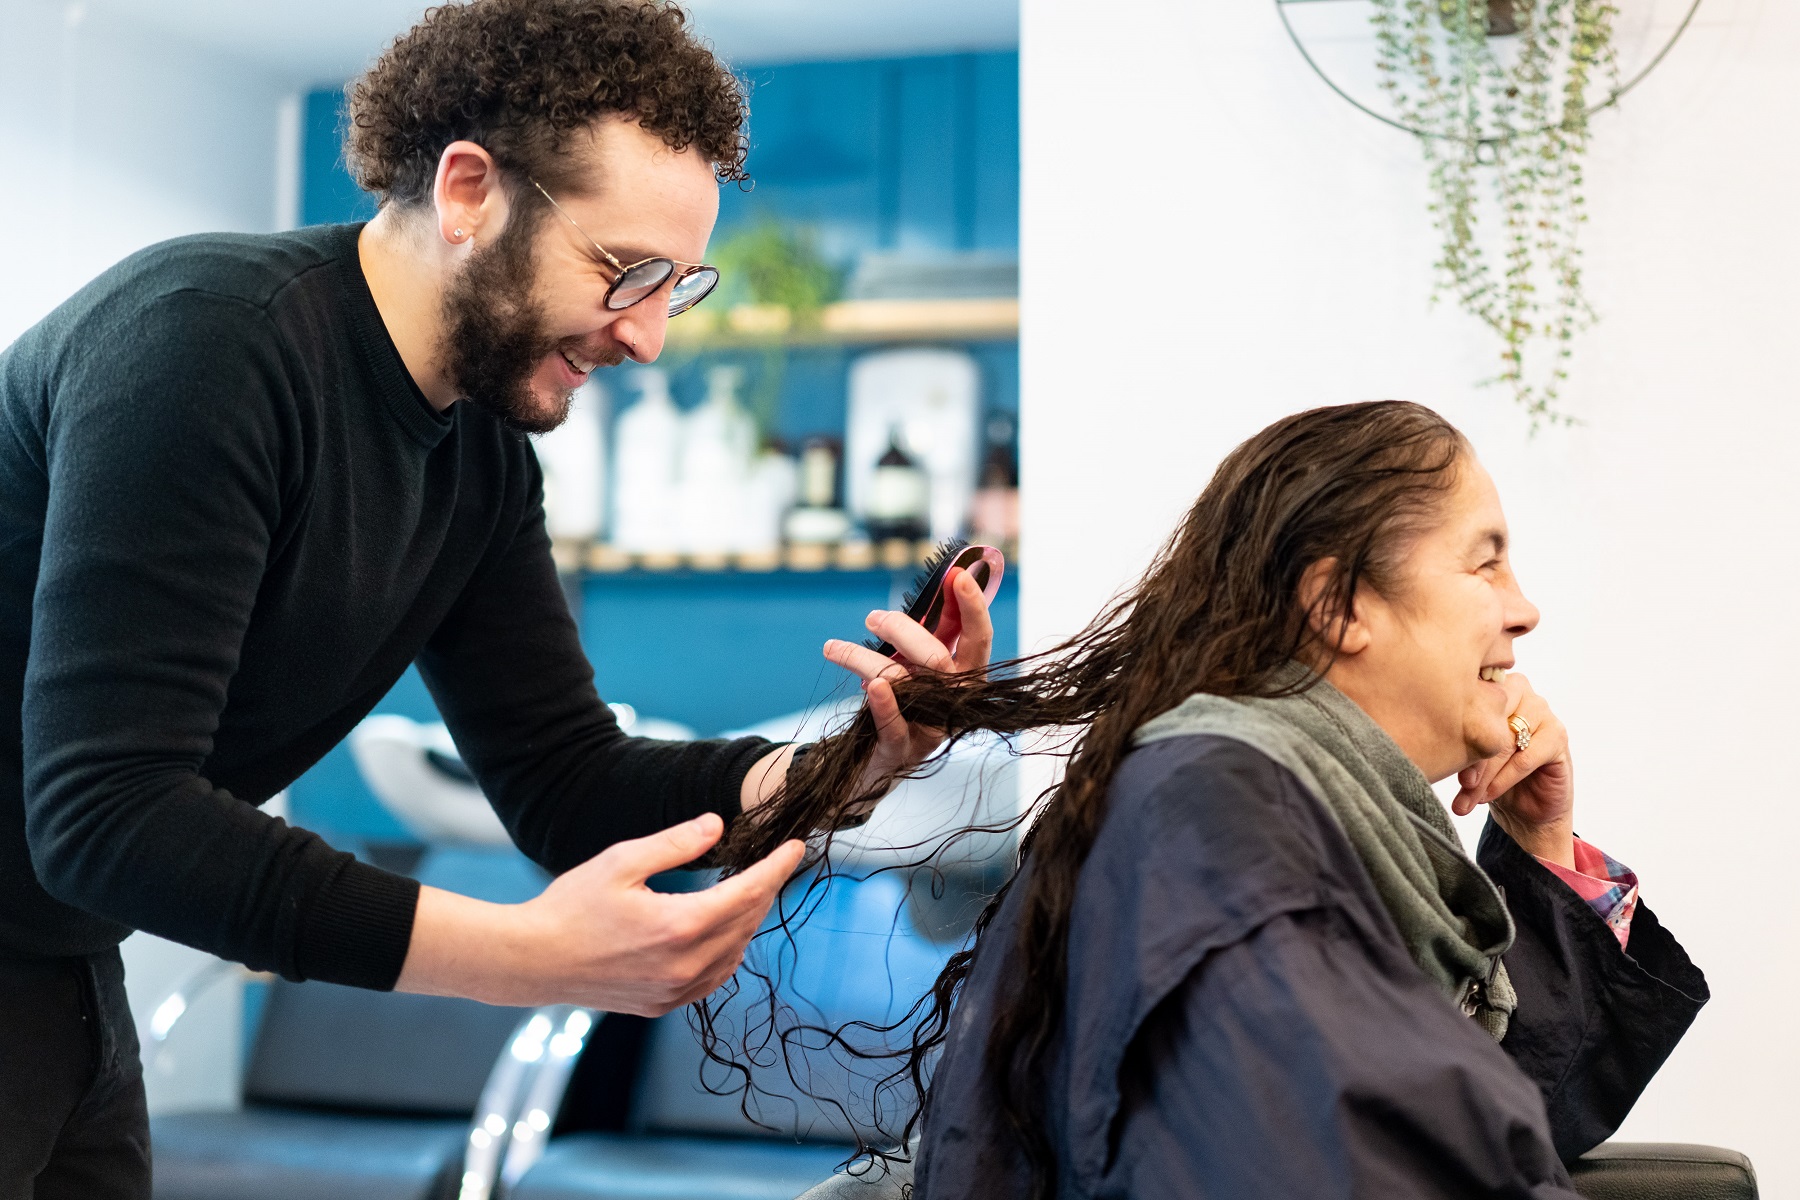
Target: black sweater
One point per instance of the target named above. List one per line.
(1243, 1020)
(228, 521)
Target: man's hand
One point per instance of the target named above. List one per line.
(1531, 792)
(903, 745)
(598, 936)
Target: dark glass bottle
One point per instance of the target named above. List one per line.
(899, 496)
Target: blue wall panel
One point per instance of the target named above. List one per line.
(327, 193)
(996, 152)
(722, 651)
(815, 153)
(910, 153)
(930, 131)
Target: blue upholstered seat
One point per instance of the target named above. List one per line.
(619, 1166)
(369, 1095)
(856, 956)
(351, 1093)
(265, 1153)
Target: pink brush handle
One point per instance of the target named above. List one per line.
(948, 627)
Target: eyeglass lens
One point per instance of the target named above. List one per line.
(640, 281)
(692, 289)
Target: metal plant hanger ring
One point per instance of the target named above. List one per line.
(1612, 98)
(1504, 131)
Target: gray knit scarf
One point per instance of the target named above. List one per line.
(1450, 915)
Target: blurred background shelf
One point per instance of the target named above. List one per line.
(849, 322)
(599, 558)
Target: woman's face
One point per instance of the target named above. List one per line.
(1422, 661)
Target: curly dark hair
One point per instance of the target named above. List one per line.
(519, 76)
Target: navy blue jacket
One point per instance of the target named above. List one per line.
(1243, 1021)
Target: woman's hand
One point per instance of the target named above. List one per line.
(903, 745)
(1530, 792)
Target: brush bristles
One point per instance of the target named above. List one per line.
(928, 577)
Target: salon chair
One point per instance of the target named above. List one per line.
(869, 947)
(1612, 1171)
(874, 941)
(346, 1092)
(391, 1097)
(1663, 1171)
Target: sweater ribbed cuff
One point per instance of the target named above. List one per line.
(358, 927)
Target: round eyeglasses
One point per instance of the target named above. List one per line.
(635, 282)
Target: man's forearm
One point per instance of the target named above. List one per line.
(466, 947)
(766, 774)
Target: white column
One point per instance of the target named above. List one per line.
(1211, 239)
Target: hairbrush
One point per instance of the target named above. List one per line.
(930, 604)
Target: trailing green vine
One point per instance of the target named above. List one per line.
(1516, 107)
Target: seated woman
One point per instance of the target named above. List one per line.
(1244, 954)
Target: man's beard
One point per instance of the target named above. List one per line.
(494, 336)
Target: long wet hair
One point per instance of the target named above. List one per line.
(1219, 611)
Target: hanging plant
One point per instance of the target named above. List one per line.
(1497, 92)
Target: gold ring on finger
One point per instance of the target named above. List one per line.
(1521, 731)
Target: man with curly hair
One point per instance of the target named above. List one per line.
(249, 479)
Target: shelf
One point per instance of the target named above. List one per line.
(848, 321)
(597, 558)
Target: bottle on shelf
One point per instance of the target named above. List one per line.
(817, 520)
(769, 493)
(573, 459)
(933, 394)
(899, 503)
(994, 513)
(718, 439)
(646, 470)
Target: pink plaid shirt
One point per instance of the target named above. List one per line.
(1609, 887)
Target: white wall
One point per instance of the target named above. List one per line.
(117, 137)
(1659, 539)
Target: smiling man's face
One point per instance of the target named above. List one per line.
(525, 320)
(1427, 658)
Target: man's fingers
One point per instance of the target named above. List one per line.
(911, 639)
(740, 904)
(976, 646)
(753, 889)
(890, 726)
(862, 660)
(678, 845)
